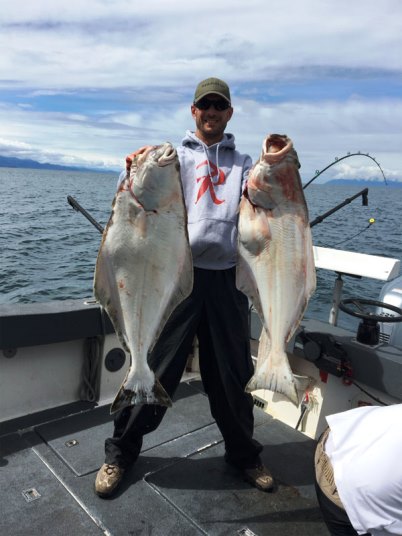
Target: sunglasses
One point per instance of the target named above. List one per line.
(204, 104)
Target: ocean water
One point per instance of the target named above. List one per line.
(48, 250)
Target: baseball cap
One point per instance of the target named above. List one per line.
(212, 85)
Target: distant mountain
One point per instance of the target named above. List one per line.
(363, 183)
(12, 162)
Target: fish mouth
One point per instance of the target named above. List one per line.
(168, 155)
(275, 148)
(275, 142)
(163, 155)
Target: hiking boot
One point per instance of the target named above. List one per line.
(108, 478)
(259, 477)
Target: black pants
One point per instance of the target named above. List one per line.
(335, 518)
(218, 314)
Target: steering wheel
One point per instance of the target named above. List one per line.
(366, 314)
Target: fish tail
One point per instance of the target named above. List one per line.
(161, 396)
(278, 378)
(141, 396)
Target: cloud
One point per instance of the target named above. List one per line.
(369, 172)
(91, 81)
(107, 44)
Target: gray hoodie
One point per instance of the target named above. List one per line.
(213, 179)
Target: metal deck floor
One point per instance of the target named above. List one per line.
(180, 485)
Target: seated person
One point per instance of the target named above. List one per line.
(359, 471)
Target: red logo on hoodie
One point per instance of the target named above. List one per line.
(207, 182)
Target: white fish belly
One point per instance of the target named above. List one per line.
(282, 278)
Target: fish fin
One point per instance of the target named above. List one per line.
(126, 397)
(302, 383)
(187, 276)
(245, 282)
(311, 278)
(184, 289)
(279, 379)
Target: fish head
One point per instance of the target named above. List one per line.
(154, 175)
(274, 178)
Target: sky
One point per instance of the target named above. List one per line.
(87, 82)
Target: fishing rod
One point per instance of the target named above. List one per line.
(363, 193)
(77, 207)
(318, 172)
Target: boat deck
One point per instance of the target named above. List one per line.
(180, 485)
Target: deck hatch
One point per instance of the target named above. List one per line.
(78, 439)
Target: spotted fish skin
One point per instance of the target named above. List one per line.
(144, 266)
(276, 263)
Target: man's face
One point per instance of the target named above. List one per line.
(211, 122)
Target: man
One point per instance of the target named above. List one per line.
(213, 174)
(359, 473)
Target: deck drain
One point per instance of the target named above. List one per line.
(246, 532)
(260, 403)
(31, 494)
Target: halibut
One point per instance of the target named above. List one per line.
(276, 263)
(144, 267)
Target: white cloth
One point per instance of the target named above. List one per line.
(365, 449)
